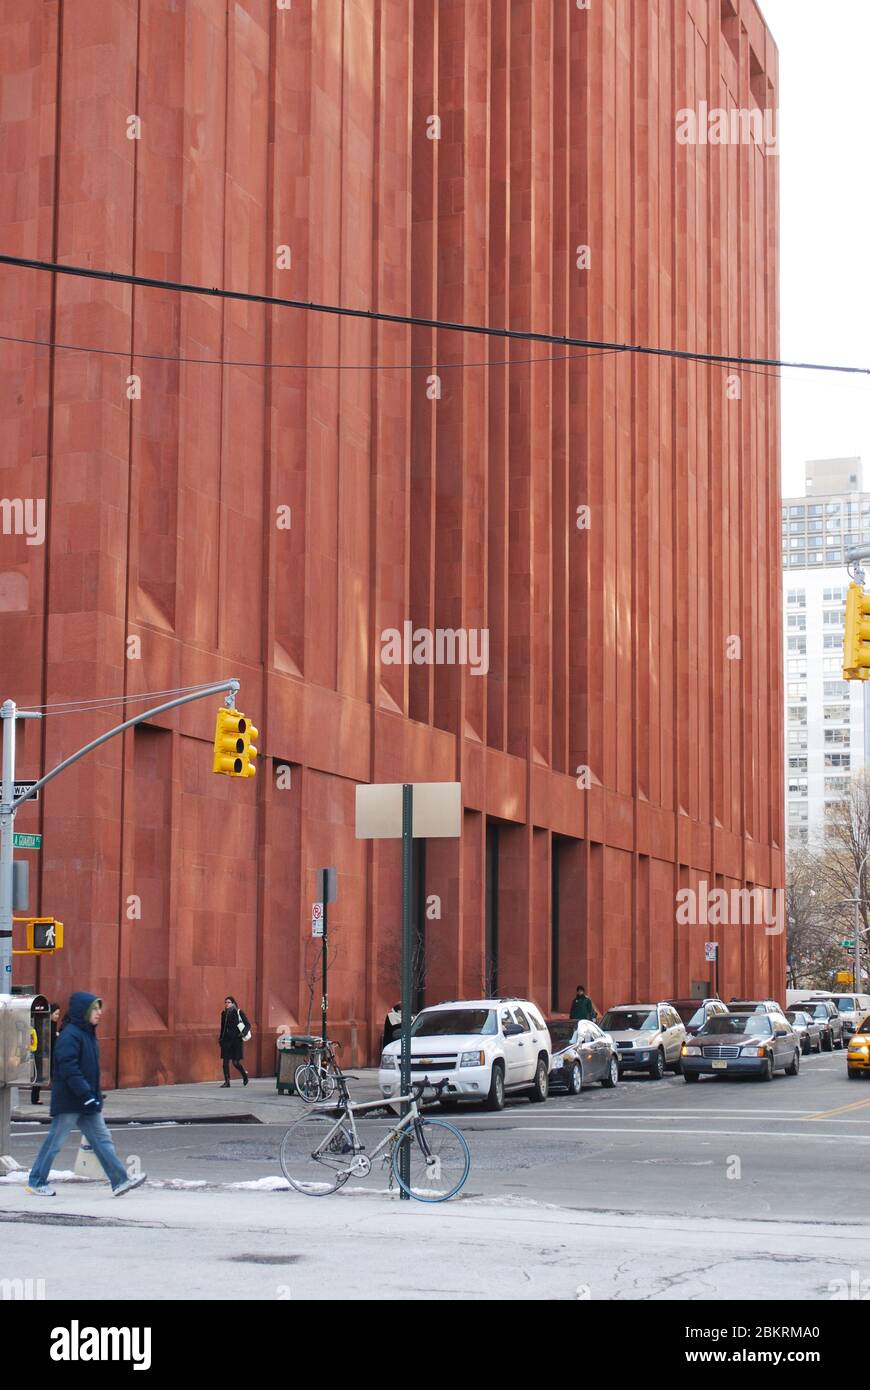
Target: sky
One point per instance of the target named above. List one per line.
(824, 138)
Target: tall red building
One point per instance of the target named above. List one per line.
(608, 520)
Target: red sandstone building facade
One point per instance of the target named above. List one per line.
(609, 520)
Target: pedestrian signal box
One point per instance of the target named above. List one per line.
(44, 934)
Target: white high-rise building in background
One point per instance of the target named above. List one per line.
(824, 715)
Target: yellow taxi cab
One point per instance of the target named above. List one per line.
(858, 1055)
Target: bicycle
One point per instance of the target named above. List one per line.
(322, 1150)
(316, 1079)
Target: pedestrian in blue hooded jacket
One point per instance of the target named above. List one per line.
(76, 1100)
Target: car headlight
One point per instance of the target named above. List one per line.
(388, 1062)
(472, 1059)
(753, 1050)
(859, 1047)
(689, 1051)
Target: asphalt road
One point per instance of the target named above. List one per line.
(792, 1149)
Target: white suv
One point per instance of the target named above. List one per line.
(483, 1048)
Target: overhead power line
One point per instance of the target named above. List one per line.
(416, 321)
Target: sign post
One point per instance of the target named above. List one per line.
(711, 952)
(409, 810)
(327, 891)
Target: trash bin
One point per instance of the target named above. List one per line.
(293, 1050)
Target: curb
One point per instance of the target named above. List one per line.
(141, 1120)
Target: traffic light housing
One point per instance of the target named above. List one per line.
(856, 635)
(234, 749)
(44, 934)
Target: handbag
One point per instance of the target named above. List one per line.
(244, 1028)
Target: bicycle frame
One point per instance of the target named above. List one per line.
(350, 1109)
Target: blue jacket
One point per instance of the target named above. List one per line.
(76, 1077)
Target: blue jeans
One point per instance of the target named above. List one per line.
(95, 1130)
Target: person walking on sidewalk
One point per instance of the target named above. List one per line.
(55, 1024)
(76, 1100)
(582, 1006)
(235, 1030)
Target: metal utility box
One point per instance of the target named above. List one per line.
(25, 1040)
(293, 1050)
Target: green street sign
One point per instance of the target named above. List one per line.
(848, 945)
(26, 841)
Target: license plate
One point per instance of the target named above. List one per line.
(720, 1066)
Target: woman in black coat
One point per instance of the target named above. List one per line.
(230, 1039)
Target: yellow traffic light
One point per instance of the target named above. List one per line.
(249, 754)
(234, 751)
(856, 635)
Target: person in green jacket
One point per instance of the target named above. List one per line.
(582, 1006)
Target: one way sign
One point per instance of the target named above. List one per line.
(22, 788)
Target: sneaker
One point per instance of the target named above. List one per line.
(42, 1191)
(128, 1185)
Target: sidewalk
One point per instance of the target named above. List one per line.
(202, 1102)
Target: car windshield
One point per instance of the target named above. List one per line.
(438, 1023)
(864, 1025)
(846, 1003)
(730, 1025)
(629, 1020)
(797, 1016)
(816, 1010)
(690, 1014)
(561, 1031)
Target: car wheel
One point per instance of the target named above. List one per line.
(795, 1064)
(657, 1070)
(495, 1099)
(828, 1042)
(819, 1045)
(853, 1074)
(691, 1076)
(610, 1080)
(805, 1045)
(575, 1079)
(767, 1074)
(842, 1042)
(540, 1090)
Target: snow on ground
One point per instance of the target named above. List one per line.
(258, 1240)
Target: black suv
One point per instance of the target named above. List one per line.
(827, 1013)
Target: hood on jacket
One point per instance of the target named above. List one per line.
(79, 1005)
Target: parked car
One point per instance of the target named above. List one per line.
(648, 1037)
(808, 1029)
(755, 1006)
(582, 1054)
(827, 1013)
(853, 1009)
(858, 1056)
(748, 1044)
(695, 1012)
(484, 1048)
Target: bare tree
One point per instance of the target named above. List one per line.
(848, 856)
(814, 918)
(313, 968)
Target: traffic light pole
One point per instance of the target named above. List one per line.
(9, 804)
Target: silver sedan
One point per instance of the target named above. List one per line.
(582, 1055)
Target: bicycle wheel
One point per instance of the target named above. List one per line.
(327, 1085)
(438, 1159)
(307, 1082)
(315, 1154)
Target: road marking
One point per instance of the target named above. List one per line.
(715, 1133)
(840, 1110)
